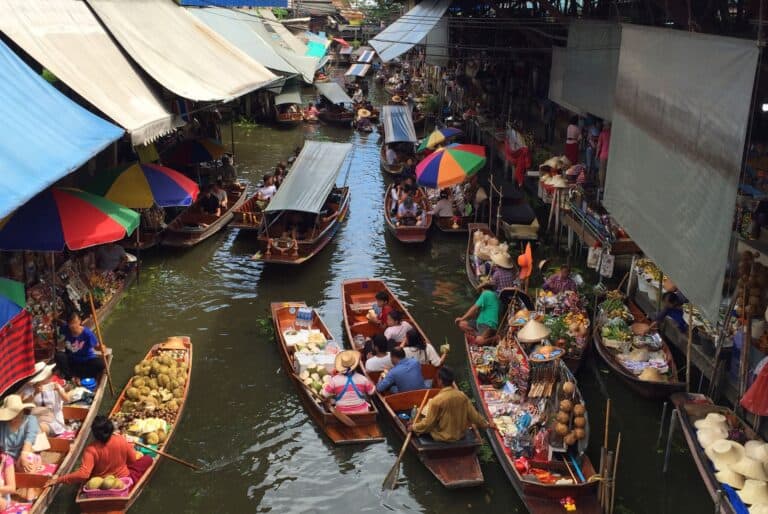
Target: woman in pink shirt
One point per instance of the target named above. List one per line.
(572, 138)
(349, 388)
(603, 144)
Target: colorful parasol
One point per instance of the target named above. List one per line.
(138, 186)
(60, 217)
(12, 300)
(450, 165)
(194, 151)
(341, 41)
(440, 135)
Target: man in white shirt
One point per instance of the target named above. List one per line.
(391, 155)
(268, 190)
(379, 360)
(443, 208)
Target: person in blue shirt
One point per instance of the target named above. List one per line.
(405, 374)
(672, 307)
(78, 357)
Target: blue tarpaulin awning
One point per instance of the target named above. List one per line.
(51, 136)
(358, 70)
(366, 56)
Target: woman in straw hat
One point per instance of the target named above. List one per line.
(18, 431)
(347, 387)
(49, 397)
(503, 274)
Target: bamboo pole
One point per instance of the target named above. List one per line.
(101, 343)
(744, 357)
(608, 483)
(688, 349)
(615, 470)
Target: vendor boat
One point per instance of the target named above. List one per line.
(284, 317)
(64, 452)
(308, 192)
(341, 114)
(180, 350)
(343, 118)
(408, 233)
(192, 226)
(519, 393)
(248, 216)
(288, 118)
(453, 224)
(695, 407)
(397, 126)
(455, 465)
(658, 384)
(392, 169)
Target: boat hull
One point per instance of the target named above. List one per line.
(180, 234)
(407, 233)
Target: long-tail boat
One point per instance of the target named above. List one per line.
(291, 339)
(408, 233)
(248, 216)
(193, 226)
(453, 464)
(397, 124)
(179, 349)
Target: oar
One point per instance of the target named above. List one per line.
(343, 418)
(101, 343)
(391, 478)
(168, 456)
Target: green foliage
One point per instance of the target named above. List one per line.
(355, 44)
(280, 13)
(432, 104)
(485, 453)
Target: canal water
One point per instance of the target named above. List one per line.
(243, 422)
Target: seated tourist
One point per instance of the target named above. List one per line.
(405, 374)
(396, 327)
(481, 321)
(378, 359)
(228, 172)
(561, 281)
(408, 212)
(207, 202)
(49, 397)
(450, 413)
(443, 208)
(7, 480)
(381, 309)
(18, 433)
(78, 357)
(348, 388)
(417, 348)
(297, 225)
(267, 190)
(390, 155)
(108, 454)
(221, 195)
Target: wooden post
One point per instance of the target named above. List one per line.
(607, 483)
(101, 344)
(615, 471)
(688, 349)
(744, 357)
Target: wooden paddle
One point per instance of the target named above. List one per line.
(343, 418)
(167, 456)
(101, 343)
(391, 478)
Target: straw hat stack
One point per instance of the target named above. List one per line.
(533, 332)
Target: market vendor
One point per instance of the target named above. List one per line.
(78, 356)
(503, 274)
(443, 208)
(349, 389)
(405, 374)
(450, 413)
(672, 307)
(482, 319)
(112, 257)
(561, 281)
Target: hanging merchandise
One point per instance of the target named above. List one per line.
(606, 264)
(593, 256)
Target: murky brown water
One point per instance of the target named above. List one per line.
(243, 422)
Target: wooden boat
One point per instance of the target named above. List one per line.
(145, 240)
(646, 389)
(453, 464)
(691, 408)
(407, 233)
(343, 118)
(539, 497)
(446, 224)
(63, 452)
(288, 119)
(248, 216)
(180, 349)
(392, 169)
(192, 226)
(367, 429)
(277, 249)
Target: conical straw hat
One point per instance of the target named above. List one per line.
(713, 419)
(760, 508)
(730, 477)
(709, 435)
(757, 450)
(533, 332)
(750, 468)
(755, 492)
(724, 452)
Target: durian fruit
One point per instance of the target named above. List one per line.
(128, 406)
(163, 380)
(178, 392)
(133, 393)
(136, 370)
(139, 381)
(144, 391)
(172, 405)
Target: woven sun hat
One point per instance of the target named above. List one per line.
(502, 259)
(713, 419)
(533, 332)
(12, 405)
(558, 181)
(397, 99)
(757, 450)
(750, 468)
(759, 508)
(730, 477)
(754, 492)
(346, 360)
(363, 113)
(724, 452)
(43, 371)
(651, 374)
(707, 436)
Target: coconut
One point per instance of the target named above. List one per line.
(562, 417)
(580, 433)
(568, 387)
(579, 409)
(566, 405)
(304, 375)
(561, 429)
(580, 421)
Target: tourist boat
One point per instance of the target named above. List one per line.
(179, 349)
(64, 452)
(541, 485)
(192, 226)
(398, 130)
(336, 95)
(307, 190)
(248, 216)
(652, 390)
(407, 233)
(284, 318)
(453, 464)
(692, 408)
(342, 118)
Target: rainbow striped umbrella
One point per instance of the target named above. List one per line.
(138, 186)
(60, 217)
(12, 300)
(450, 165)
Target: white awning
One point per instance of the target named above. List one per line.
(333, 92)
(236, 27)
(366, 56)
(358, 70)
(66, 38)
(289, 95)
(179, 51)
(409, 30)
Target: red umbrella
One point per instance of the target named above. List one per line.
(341, 41)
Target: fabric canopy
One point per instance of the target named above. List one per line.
(557, 79)
(236, 27)
(179, 51)
(358, 70)
(46, 135)
(289, 95)
(333, 92)
(366, 56)
(398, 124)
(311, 179)
(66, 38)
(409, 30)
(676, 150)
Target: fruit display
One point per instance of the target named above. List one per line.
(648, 269)
(314, 377)
(751, 286)
(614, 307)
(561, 303)
(569, 424)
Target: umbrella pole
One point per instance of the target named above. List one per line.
(138, 255)
(232, 136)
(101, 343)
(53, 300)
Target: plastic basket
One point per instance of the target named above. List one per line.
(103, 493)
